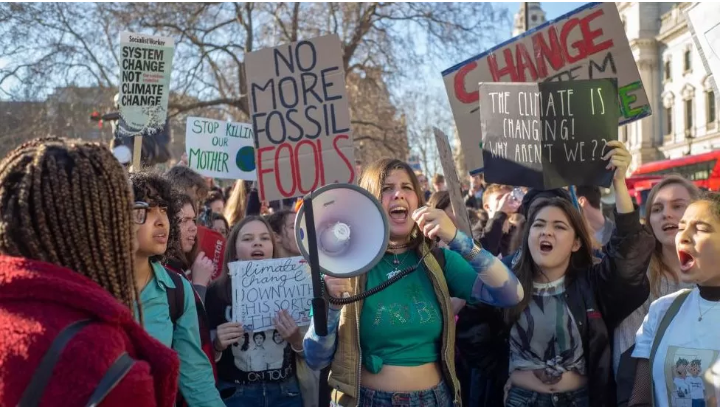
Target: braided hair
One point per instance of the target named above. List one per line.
(68, 203)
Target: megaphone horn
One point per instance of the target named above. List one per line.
(351, 227)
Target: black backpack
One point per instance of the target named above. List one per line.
(34, 392)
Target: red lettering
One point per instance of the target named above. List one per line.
(322, 164)
(579, 45)
(508, 70)
(343, 157)
(590, 47)
(293, 175)
(524, 62)
(316, 158)
(262, 171)
(459, 83)
(553, 53)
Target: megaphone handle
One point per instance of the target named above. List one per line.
(318, 302)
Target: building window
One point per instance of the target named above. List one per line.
(711, 110)
(688, 115)
(688, 60)
(669, 120)
(668, 74)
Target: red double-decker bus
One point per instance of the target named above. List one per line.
(701, 169)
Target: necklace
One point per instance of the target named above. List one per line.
(395, 264)
(702, 314)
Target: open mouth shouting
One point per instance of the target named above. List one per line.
(670, 228)
(687, 261)
(257, 254)
(398, 214)
(545, 247)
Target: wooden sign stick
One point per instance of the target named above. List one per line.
(137, 152)
(453, 182)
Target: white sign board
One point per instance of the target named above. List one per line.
(704, 22)
(145, 69)
(588, 43)
(262, 288)
(220, 149)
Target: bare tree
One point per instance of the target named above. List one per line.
(48, 45)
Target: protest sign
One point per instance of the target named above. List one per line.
(452, 181)
(300, 117)
(213, 245)
(220, 149)
(550, 134)
(145, 68)
(261, 288)
(587, 43)
(704, 23)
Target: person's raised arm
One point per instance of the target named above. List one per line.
(320, 350)
(493, 283)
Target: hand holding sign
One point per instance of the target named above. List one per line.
(619, 158)
(288, 329)
(228, 334)
(202, 270)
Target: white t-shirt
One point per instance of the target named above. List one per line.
(686, 351)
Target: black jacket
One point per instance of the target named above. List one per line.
(599, 297)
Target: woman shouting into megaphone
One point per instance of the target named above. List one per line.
(397, 346)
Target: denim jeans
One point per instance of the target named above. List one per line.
(438, 396)
(263, 394)
(518, 397)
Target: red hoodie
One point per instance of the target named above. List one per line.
(38, 300)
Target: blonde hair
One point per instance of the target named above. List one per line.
(236, 204)
(658, 267)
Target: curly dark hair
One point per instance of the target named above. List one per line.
(156, 190)
(175, 252)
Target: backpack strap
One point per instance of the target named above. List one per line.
(176, 296)
(34, 392)
(664, 323)
(112, 377)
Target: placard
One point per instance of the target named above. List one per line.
(300, 117)
(452, 181)
(548, 135)
(213, 245)
(262, 288)
(145, 69)
(220, 149)
(587, 43)
(704, 23)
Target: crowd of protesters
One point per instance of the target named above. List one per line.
(107, 299)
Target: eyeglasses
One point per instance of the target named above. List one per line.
(140, 210)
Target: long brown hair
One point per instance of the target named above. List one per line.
(526, 269)
(175, 252)
(231, 254)
(658, 267)
(69, 203)
(235, 205)
(373, 180)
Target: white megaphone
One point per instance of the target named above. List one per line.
(351, 230)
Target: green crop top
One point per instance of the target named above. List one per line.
(401, 325)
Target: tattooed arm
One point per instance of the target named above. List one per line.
(468, 265)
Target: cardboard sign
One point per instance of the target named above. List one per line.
(145, 68)
(704, 23)
(300, 117)
(548, 135)
(452, 181)
(213, 244)
(262, 288)
(588, 43)
(220, 149)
